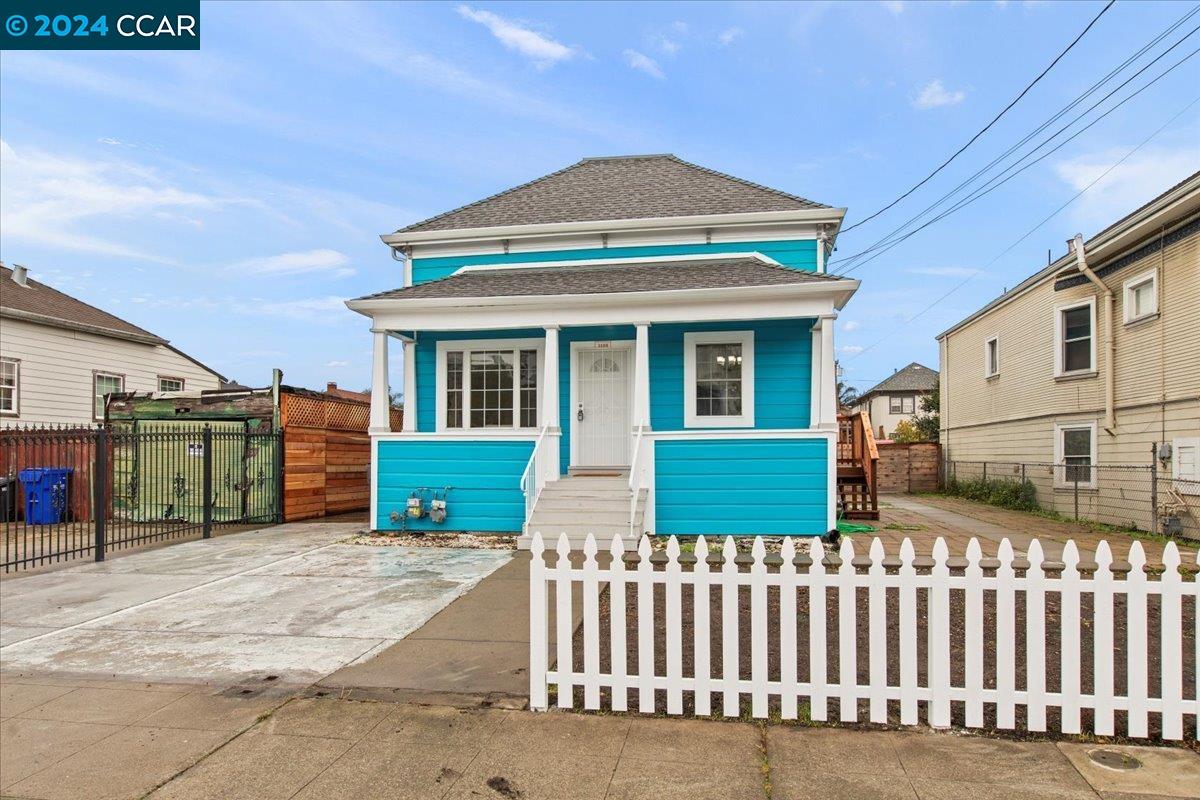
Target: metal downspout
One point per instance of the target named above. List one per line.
(1110, 342)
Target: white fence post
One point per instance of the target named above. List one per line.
(537, 625)
(937, 692)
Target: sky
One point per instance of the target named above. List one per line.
(231, 199)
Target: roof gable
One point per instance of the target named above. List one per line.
(913, 378)
(46, 304)
(615, 188)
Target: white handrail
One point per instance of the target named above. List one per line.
(531, 498)
(636, 474)
(537, 445)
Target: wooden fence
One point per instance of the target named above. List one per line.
(1101, 659)
(908, 467)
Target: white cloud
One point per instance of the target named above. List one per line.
(644, 63)
(57, 200)
(851, 325)
(669, 46)
(944, 272)
(542, 50)
(730, 35)
(1142, 177)
(935, 95)
(305, 309)
(298, 263)
(850, 349)
(893, 6)
(337, 364)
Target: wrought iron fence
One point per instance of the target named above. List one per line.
(1136, 497)
(70, 493)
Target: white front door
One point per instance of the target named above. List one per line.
(603, 400)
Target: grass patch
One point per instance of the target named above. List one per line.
(1015, 495)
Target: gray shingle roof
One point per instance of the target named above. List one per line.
(52, 306)
(913, 378)
(605, 279)
(617, 187)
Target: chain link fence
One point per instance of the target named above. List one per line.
(1135, 497)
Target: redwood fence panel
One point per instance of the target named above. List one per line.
(1016, 643)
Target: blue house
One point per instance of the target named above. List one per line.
(630, 344)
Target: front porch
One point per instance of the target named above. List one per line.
(673, 412)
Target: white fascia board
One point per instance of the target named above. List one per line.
(625, 308)
(830, 215)
(616, 262)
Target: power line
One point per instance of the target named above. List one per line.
(1034, 229)
(1001, 178)
(994, 120)
(890, 237)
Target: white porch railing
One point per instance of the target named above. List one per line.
(535, 469)
(643, 456)
(1097, 626)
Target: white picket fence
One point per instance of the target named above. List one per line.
(936, 692)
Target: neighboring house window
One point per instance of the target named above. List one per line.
(1185, 465)
(10, 386)
(991, 357)
(104, 384)
(167, 384)
(718, 379)
(1075, 455)
(488, 384)
(1141, 296)
(1075, 338)
(900, 404)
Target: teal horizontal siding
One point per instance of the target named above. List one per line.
(770, 487)
(796, 253)
(486, 476)
(782, 372)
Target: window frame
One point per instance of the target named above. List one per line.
(1060, 343)
(991, 369)
(16, 409)
(1060, 466)
(182, 383)
(466, 347)
(899, 404)
(96, 375)
(744, 338)
(1130, 286)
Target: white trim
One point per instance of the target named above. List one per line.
(374, 520)
(573, 402)
(1185, 484)
(1151, 276)
(603, 262)
(1060, 471)
(15, 411)
(834, 215)
(988, 370)
(690, 418)
(753, 433)
(1090, 303)
(466, 345)
(479, 434)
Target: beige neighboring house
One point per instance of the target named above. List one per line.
(896, 398)
(59, 357)
(1091, 361)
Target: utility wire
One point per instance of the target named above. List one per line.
(985, 128)
(1000, 179)
(1032, 230)
(887, 239)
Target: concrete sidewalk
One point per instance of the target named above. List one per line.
(62, 741)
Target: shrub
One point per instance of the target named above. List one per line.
(1017, 495)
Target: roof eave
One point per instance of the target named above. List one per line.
(550, 229)
(57, 322)
(842, 290)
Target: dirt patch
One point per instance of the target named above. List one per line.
(466, 540)
(504, 788)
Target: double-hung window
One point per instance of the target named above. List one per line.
(1075, 338)
(1141, 297)
(169, 384)
(10, 387)
(1075, 455)
(488, 384)
(104, 384)
(718, 379)
(902, 404)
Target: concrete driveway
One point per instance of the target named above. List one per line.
(288, 601)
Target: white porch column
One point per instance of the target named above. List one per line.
(641, 377)
(410, 386)
(818, 377)
(548, 413)
(829, 405)
(380, 407)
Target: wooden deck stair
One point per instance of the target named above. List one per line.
(857, 467)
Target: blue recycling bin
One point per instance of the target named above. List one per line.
(45, 493)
